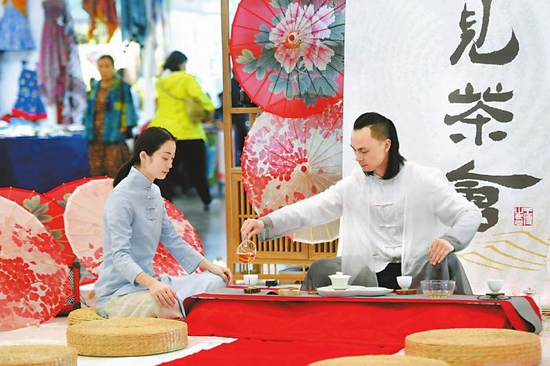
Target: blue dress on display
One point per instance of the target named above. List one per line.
(29, 105)
(15, 31)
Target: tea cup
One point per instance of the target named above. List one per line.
(250, 280)
(494, 285)
(404, 282)
(339, 281)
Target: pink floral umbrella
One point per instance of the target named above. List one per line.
(34, 279)
(288, 56)
(61, 194)
(83, 219)
(285, 160)
(164, 262)
(47, 210)
(84, 228)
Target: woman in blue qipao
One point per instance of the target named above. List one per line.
(134, 221)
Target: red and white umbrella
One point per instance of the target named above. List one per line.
(61, 194)
(183, 226)
(47, 210)
(164, 262)
(34, 279)
(84, 228)
(285, 160)
(84, 221)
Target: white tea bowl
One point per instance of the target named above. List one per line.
(494, 285)
(404, 282)
(250, 279)
(339, 281)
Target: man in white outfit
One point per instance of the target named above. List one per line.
(397, 217)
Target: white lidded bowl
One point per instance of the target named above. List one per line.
(339, 281)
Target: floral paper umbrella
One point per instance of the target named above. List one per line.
(48, 211)
(164, 262)
(84, 221)
(288, 159)
(84, 226)
(34, 279)
(61, 194)
(288, 55)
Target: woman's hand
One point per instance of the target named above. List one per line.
(250, 228)
(163, 294)
(223, 272)
(439, 249)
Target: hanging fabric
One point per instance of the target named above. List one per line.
(14, 27)
(103, 11)
(60, 77)
(29, 104)
(134, 21)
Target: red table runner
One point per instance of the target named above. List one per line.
(323, 327)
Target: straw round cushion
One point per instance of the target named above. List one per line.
(476, 346)
(83, 315)
(380, 361)
(38, 354)
(127, 336)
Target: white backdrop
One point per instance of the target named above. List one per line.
(494, 142)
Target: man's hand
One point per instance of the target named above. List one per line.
(439, 249)
(250, 228)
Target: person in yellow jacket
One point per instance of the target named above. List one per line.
(182, 106)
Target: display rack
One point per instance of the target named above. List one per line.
(281, 258)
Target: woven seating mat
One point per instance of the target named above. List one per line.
(83, 315)
(127, 336)
(44, 355)
(380, 361)
(475, 346)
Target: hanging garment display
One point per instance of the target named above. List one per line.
(103, 11)
(59, 72)
(288, 56)
(286, 160)
(14, 28)
(29, 103)
(134, 21)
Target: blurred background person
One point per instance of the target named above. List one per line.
(108, 121)
(182, 106)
